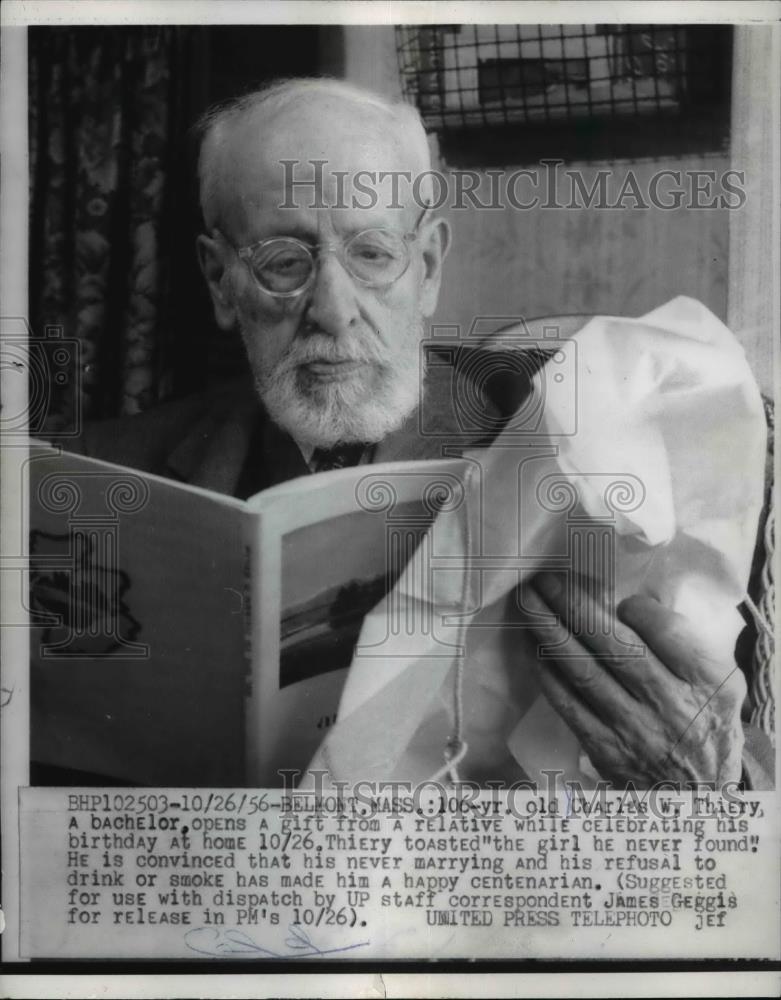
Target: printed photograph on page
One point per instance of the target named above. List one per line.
(388, 559)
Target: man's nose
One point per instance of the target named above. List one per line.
(333, 306)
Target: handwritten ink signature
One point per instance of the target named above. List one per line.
(215, 941)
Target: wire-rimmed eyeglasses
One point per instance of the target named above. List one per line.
(285, 266)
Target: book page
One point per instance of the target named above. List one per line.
(329, 552)
(136, 601)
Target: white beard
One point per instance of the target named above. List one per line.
(354, 409)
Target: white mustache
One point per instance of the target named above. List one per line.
(322, 348)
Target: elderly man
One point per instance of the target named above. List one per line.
(330, 293)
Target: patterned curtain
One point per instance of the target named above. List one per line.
(109, 109)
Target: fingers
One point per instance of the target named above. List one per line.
(634, 711)
(583, 609)
(670, 647)
(667, 633)
(586, 722)
(586, 677)
(619, 651)
(681, 647)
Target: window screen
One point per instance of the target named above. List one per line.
(462, 76)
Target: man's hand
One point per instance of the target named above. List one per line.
(672, 713)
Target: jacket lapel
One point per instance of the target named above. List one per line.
(407, 443)
(212, 453)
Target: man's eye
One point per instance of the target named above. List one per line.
(282, 264)
(372, 254)
(285, 263)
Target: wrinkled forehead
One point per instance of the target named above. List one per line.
(335, 154)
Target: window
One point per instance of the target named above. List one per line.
(595, 81)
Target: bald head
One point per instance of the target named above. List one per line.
(245, 142)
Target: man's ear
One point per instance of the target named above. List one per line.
(211, 257)
(435, 245)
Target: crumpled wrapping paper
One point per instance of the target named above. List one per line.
(649, 482)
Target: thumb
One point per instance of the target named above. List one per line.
(682, 647)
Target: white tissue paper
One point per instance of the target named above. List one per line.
(644, 472)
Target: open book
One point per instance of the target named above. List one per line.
(183, 637)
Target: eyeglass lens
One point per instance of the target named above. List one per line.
(375, 257)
